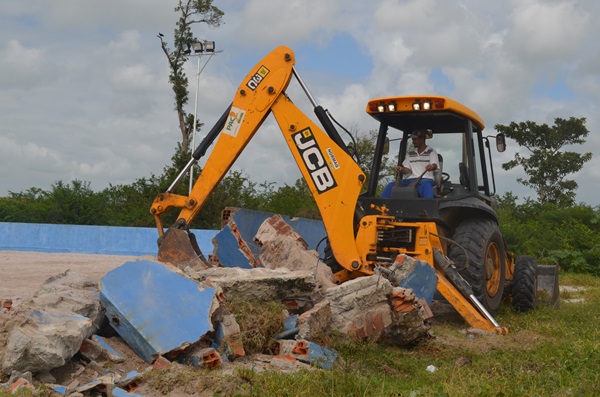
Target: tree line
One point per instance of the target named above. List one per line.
(554, 229)
(567, 235)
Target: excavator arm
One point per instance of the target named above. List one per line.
(333, 177)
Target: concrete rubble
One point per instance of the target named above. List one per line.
(165, 314)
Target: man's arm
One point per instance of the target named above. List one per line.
(433, 161)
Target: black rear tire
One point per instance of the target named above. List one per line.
(524, 285)
(481, 241)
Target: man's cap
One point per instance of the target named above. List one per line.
(421, 132)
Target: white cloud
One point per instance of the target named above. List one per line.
(127, 43)
(133, 78)
(546, 30)
(273, 23)
(85, 94)
(21, 67)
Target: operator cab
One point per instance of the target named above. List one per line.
(466, 177)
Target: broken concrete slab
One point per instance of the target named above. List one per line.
(352, 299)
(154, 309)
(69, 293)
(45, 341)
(235, 247)
(364, 308)
(315, 322)
(260, 284)
(281, 246)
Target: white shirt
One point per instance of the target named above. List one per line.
(418, 161)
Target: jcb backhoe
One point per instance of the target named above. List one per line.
(456, 232)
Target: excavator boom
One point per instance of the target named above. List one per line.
(333, 177)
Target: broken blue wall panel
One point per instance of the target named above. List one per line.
(288, 334)
(118, 392)
(62, 390)
(227, 248)
(130, 376)
(155, 310)
(422, 280)
(320, 356)
(248, 222)
(110, 240)
(290, 322)
(290, 328)
(106, 346)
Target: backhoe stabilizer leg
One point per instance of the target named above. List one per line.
(456, 293)
(466, 309)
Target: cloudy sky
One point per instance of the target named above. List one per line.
(84, 92)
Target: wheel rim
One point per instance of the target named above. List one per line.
(492, 269)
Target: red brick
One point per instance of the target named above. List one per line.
(161, 362)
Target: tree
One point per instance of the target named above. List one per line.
(549, 164)
(363, 148)
(191, 12)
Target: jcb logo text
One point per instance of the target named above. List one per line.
(314, 161)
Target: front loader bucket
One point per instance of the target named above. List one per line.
(179, 248)
(547, 285)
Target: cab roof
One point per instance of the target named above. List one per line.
(444, 115)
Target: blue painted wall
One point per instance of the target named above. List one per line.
(111, 240)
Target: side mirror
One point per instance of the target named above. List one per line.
(501, 142)
(386, 145)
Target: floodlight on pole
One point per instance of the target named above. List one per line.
(199, 47)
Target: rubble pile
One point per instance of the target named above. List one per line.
(80, 338)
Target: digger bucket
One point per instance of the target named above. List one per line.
(180, 248)
(547, 285)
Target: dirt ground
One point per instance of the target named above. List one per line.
(22, 273)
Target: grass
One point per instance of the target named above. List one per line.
(547, 352)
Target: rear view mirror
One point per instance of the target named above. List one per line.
(500, 142)
(386, 145)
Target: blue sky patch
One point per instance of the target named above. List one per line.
(341, 56)
(443, 85)
(552, 88)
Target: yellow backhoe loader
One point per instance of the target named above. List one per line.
(456, 232)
